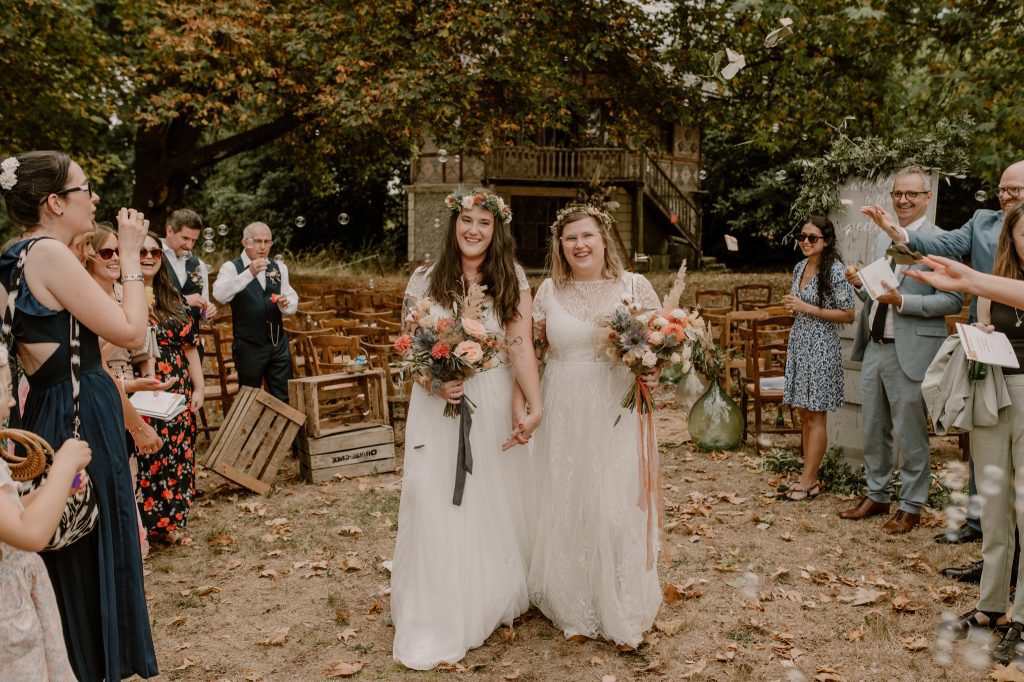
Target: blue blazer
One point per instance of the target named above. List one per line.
(920, 328)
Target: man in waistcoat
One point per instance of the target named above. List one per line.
(259, 294)
(189, 275)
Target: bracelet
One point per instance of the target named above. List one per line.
(136, 430)
(132, 278)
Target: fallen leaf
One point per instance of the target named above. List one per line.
(673, 593)
(233, 564)
(206, 590)
(352, 563)
(276, 552)
(343, 669)
(347, 634)
(596, 660)
(828, 675)
(654, 666)
(726, 657)
(856, 634)
(341, 616)
(695, 669)
(508, 635)
(865, 596)
(669, 627)
(187, 663)
(276, 638)
(911, 643)
(579, 639)
(514, 675)
(279, 521)
(221, 540)
(270, 573)
(902, 604)
(253, 676)
(177, 622)
(350, 530)
(1007, 673)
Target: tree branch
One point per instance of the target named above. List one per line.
(221, 149)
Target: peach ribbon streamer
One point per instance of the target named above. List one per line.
(651, 492)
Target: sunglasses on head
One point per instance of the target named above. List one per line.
(810, 238)
(155, 252)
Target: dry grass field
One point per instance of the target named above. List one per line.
(294, 585)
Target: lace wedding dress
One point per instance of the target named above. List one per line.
(459, 571)
(589, 568)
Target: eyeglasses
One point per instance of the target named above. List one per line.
(1012, 192)
(573, 239)
(809, 238)
(87, 187)
(259, 242)
(152, 253)
(106, 254)
(896, 196)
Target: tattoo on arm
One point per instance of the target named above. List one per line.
(516, 341)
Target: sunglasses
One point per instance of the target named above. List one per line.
(106, 254)
(155, 252)
(810, 238)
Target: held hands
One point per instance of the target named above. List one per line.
(257, 266)
(131, 230)
(523, 430)
(72, 457)
(891, 296)
(882, 218)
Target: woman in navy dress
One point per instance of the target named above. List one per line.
(820, 299)
(97, 580)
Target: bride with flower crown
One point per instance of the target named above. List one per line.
(592, 571)
(459, 568)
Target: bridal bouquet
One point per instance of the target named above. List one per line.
(645, 340)
(448, 347)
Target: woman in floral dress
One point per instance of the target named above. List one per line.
(166, 480)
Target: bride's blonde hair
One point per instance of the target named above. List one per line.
(558, 266)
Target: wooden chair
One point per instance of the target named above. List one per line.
(308, 306)
(732, 344)
(369, 334)
(766, 344)
(219, 377)
(329, 353)
(713, 298)
(751, 296)
(297, 346)
(313, 318)
(339, 325)
(374, 316)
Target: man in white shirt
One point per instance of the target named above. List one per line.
(259, 294)
(896, 338)
(190, 275)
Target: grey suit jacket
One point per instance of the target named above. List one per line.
(920, 328)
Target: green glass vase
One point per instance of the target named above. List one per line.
(715, 422)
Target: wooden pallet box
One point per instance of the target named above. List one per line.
(251, 442)
(356, 452)
(336, 403)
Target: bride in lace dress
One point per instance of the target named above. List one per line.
(589, 571)
(459, 571)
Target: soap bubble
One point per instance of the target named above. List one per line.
(300, 222)
(208, 233)
(457, 158)
(980, 195)
(278, 258)
(804, 137)
(209, 246)
(437, 223)
(703, 175)
(686, 102)
(775, 127)
(781, 175)
(222, 230)
(426, 256)
(703, 98)
(370, 283)
(751, 583)
(764, 80)
(442, 155)
(317, 132)
(343, 218)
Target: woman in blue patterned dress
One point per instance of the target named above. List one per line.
(820, 299)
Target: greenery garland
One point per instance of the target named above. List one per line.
(941, 149)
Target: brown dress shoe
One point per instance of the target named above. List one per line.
(901, 522)
(865, 508)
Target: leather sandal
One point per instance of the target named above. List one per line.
(962, 625)
(796, 493)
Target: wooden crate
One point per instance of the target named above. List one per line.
(336, 403)
(256, 433)
(355, 452)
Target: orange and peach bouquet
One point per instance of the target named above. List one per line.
(443, 347)
(645, 340)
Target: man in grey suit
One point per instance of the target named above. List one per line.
(897, 336)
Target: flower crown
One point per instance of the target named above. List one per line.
(8, 176)
(461, 199)
(575, 210)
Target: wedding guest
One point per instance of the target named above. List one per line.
(189, 274)
(999, 455)
(589, 571)
(167, 482)
(820, 299)
(976, 238)
(460, 569)
(31, 644)
(897, 336)
(258, 291)
(98, 579)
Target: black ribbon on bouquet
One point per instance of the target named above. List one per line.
(464, 460)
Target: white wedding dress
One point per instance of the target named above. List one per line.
(589, 570)
(459, 571)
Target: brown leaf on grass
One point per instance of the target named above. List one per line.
(1007, 673)
(655, 666)
(347, 634)
(222, 540)
(673, 593)
(508, 635)
(270, 573)
(579, 639)
(856, 634)
(734, 499)
(206, 590)
(726, 656)
(863, 597)
(279, 521)
(901, 604)
(276, 552)
(178, 622)
(669, 627)
(596, 660)
(828, 675)
(187, 663)
(253, 676)
(911, 643)
(947, 594)
(233, 564)
(184, 593)
(343, 669)
(350, 530)
(514, 675)
(352, 563)
(375, 607)
(277, 637)
(341, 616)
(694, 669)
